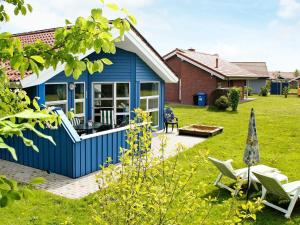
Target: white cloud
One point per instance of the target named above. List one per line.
(288, 9)
(52, 13)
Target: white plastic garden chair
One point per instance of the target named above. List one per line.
(289, 191)
(227, 170)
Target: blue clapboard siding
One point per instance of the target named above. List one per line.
(69, 158)
(56, 159)
(92, 153)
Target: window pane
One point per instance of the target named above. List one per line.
(122, 120)
(106, 103)
(122, 105)
(122, 90)
(106, 91)
(154, 118)
(55, 92)
(143, 104)
(149, 89)
(97, 90)
(79, 107)
(79, 91)
(153, 103)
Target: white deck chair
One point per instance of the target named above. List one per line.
(289, 191)
(227, 170)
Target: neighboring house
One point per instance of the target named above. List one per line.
(201, 72)
(279, 75)
(279, 80)
(259, 68)
(136, 79)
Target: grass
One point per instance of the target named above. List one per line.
(278, 125)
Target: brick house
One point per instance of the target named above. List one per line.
(201, 72)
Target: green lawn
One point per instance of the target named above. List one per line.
(278, 125)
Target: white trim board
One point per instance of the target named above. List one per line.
(133, 43)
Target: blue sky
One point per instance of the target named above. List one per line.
(238, 30)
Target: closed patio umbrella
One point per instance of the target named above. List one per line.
(251, 154)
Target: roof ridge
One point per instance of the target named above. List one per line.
(35, 32)
(249, 62)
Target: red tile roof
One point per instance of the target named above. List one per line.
(47, 36)
(224, 68)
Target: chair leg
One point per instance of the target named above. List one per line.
(292, 205)
(166, 124)
(218, 179)
(172, 127)
(263, 193)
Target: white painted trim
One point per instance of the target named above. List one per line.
(170, 55)
(108, 131)
(81, 100)
(152, 97)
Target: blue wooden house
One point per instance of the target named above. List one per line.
(135, 80)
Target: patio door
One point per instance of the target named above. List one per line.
(114, 97)
(103, 99)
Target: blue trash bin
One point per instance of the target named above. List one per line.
(201, 98)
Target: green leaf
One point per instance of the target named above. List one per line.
(38, 59)
(5, 187)
(68, 69)
(68, 22)
(29, 7)
(16, 11)
(30, 114)
(37, 180)
(132, 19)
(96, 13)
(106, 61)
(112, 6)
(14, 195)
(76, 73)
(27, 193)
(34, 67)
(90, 67)
(4, 201)
(10, 149)
(23, 10)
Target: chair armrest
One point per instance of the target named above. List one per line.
(176, 118)
(295, 189)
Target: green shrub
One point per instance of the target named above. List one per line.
(234, 98)
(222, 103)
(249, 91)
(285, 91)
(264, 91)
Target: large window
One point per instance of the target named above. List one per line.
(115, 97)
(79, 107)
(56, 95)
(149, 100)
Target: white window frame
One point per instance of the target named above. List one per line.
(81, 100)
(151, 97)
(114, 98)
(60, 102)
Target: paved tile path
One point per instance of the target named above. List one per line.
(83, 186)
